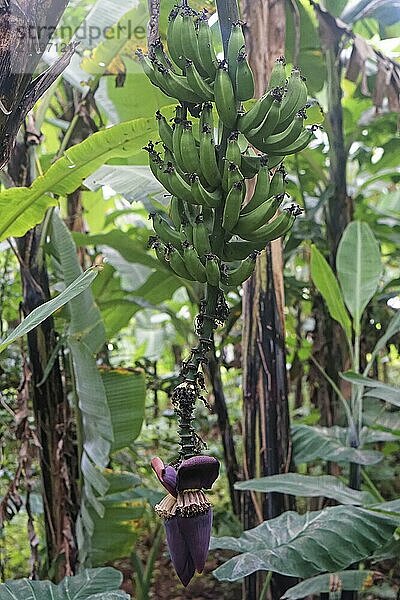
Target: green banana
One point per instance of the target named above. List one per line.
(201, 236)
(232, 206)
(206, 47)
(203, 196)
(197, 83)
(206, 117)
(239, 250)
(261, 189)
(257, 113)
(193, 263)
(213, 272)
(302, 142)
(177, 186)
(231, 176)
(235, 43)
(272, 230)
(178, 264)
(160, 253)
(175, 21)
(147, 67)
(278, 74)
(235, 277)
(278, 182)
(176, 211)
(253, 220)
(157, 167)
(165, 130)
(177, 131)
(188, 149)
(233, 153)
(187, 229)
(165, 232)
(274, 160)
(189, 40)
(157, 51)
(244, 78)
(251, 164)
(208, 157)
(257, 136)
(280, 141)
(224, 95)
(294, 99)
(176, 86)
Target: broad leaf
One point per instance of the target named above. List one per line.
(328, 443)
(91, 584)
(359, 268)
(37, 316)
(308, 486)
(308, 544)
(22, 208)
(322, 584)
(126, 395)
(326, 283)
(375, 389)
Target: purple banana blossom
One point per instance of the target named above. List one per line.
(186, 511)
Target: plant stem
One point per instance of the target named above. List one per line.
(266, 585)
(374, 490)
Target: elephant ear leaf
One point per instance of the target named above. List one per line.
(359, 268)
(325, 281)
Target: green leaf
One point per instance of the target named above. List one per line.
(359, 268)
(328, 443)
(90, 584)
(37, 316)
(306, 545)
(326, 283)
(126, 395)
(376, 389)
(392, 329)
(307, 486)
(346, 580)
(22, 208)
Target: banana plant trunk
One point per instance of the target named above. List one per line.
(50, 404)
(266, 432)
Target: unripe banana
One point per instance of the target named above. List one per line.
(197, 83)
(187, 229)
(178, 264)
(278, 74)
(253, 220)
(160, 253)
(261, 190)
(201, 237)
(231, 176)
(235, 277)
(176, 212)
(244, 78)
(213, 272)
(177, 131)
(189, 40)
(208, 158)
(280, 141)
(165, 232)
(278, 182)
(251, 164)
(203, 196)
(147, 67)
(165, 130)
(232, 206)
(257, 113)
(235, 43)
(157, 51)
(175, 21)
(272, 230)
(206, 47)
(177, 186)
(302, 142)
(233, 153)
(193, 263)
(157, 166)
(188, 149)
(294, 99)
(225, 101)
(258, 136)
(176, 86)
(207, 118)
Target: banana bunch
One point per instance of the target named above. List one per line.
(212, 146)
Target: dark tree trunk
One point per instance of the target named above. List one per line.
(50, 405)
(266, 414)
